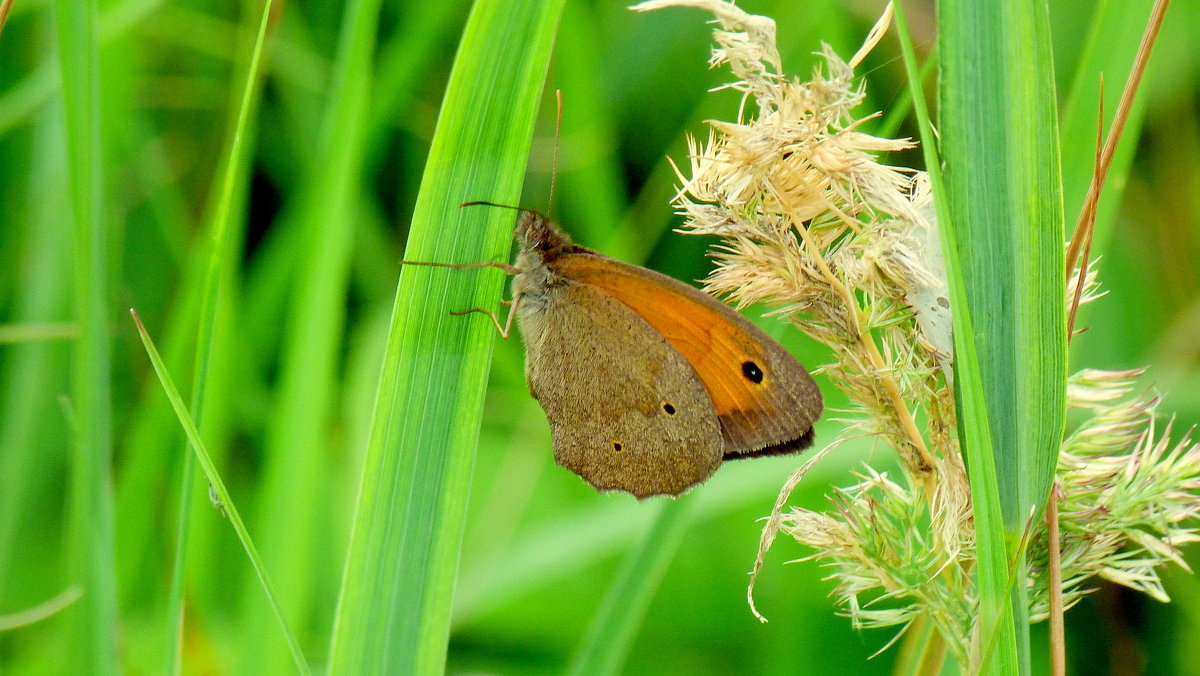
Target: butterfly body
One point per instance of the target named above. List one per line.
(648, 383)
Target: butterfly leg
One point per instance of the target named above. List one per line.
(507, 328)
(510, 269)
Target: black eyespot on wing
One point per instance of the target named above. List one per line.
(617, 446)
(752, 372)
(668, 408)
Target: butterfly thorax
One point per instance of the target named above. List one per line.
(540, 243)
(537, 285)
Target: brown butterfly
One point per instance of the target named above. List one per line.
(648, 383)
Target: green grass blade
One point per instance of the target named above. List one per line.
(35, 332)
(394, 610)
(214, 479)
(297, 469)
(608, 640)
(219, 253)
(41, 611)
(91, 511)
(995, 614)
(403, 59)
(1002, 176)
(1000, 147)
(28, 97)
(35, 373)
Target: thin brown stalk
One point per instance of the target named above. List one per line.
(923, 652)
(1149, 37)
(912, 648)
(5, 8)
(1058, 642)
(933, 659)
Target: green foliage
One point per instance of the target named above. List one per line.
(319, 213)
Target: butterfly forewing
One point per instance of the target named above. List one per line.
(765, 400)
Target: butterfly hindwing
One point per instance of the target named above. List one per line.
(626, 409)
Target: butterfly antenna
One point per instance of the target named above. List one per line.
(491, 204)
(553, 171)
(554, 165)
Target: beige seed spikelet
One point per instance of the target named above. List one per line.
(846, 247)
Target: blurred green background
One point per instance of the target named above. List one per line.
(541, 547)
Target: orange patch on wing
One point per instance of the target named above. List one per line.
(712, 343)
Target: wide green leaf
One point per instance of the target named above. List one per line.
(1000, 150)
(394, 610)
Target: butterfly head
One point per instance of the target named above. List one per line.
(537, 233)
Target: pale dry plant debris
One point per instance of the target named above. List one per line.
(847, 249)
